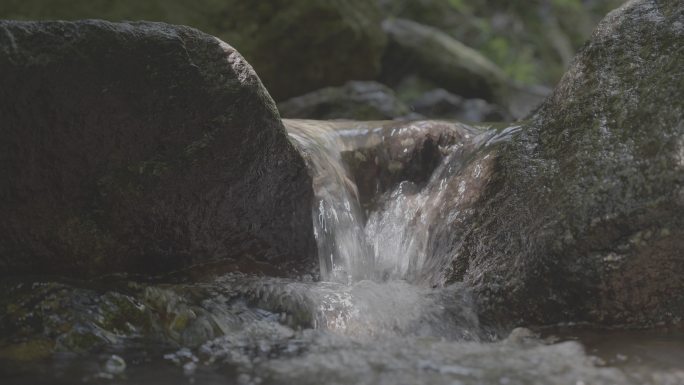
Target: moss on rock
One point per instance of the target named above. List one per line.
(582, 218)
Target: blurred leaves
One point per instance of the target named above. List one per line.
(531, 40)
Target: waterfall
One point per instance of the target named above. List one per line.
(343, 250)
(391, 240)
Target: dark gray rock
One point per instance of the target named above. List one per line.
(442, 104)
(142, 148)
(580, 215)
(356, 100)
(431, 100)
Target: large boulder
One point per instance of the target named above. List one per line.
(142, 148)
(296, 46)
(579, 215)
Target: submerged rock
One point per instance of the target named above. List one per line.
(142, 148)
(579, 217)
(244, 328)
(378, 156)
(381, 156)
(356, 100)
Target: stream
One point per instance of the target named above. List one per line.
(377, 311)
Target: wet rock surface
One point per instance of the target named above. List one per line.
(573, 215)
(247, 329)
(442, 104)
(142, 148)
(381, 156)
(356, 100)
(417, 100)
(580, 218)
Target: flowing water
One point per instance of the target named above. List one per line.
(377, 315)
(390, 241)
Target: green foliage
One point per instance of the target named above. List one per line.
(518, 64)
(522, 47)
(459, 5)
(575, 5)
(529, 39)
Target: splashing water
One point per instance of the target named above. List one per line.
(392, 241)
(343, 251)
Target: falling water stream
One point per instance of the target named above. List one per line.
(378, 314)
(390, 241)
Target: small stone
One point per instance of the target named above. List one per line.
(115, 365)
(189, 368)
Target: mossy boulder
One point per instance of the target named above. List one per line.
(580, 215)
(142, 148)
(296, 46)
